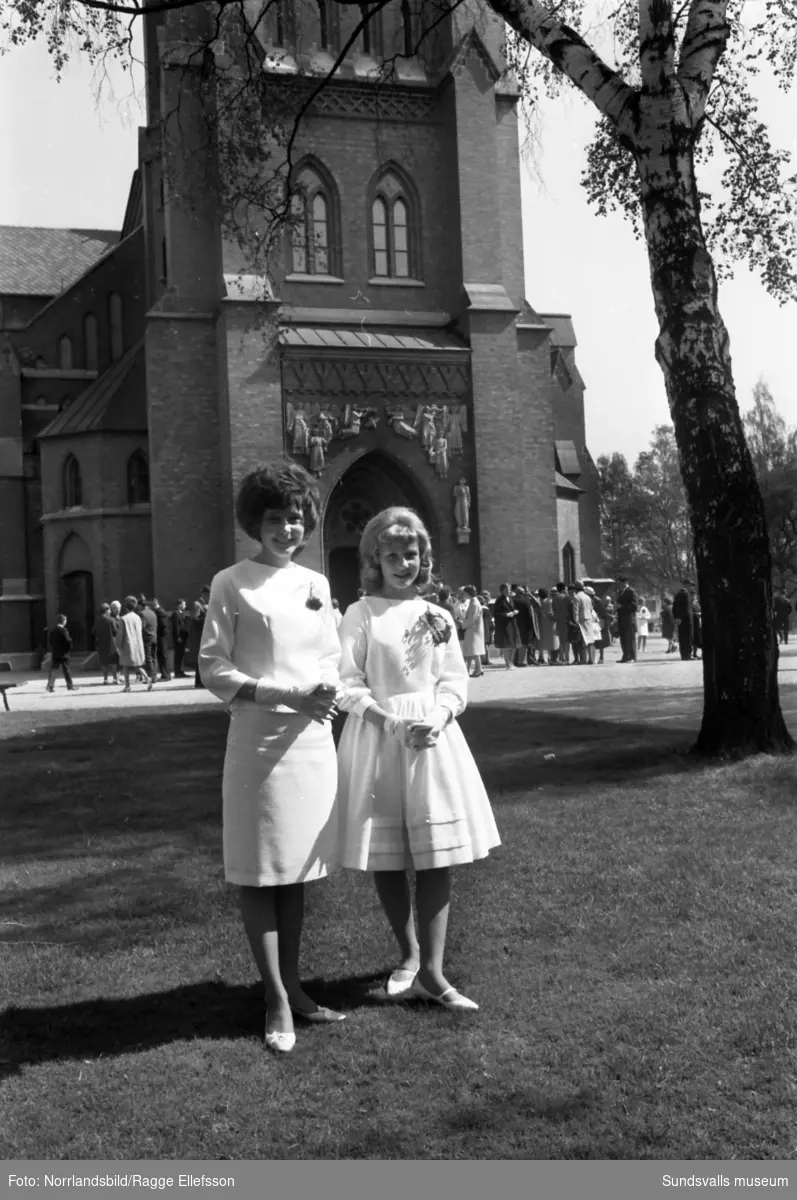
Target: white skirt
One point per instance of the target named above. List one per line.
(401, 808)
(280, 780)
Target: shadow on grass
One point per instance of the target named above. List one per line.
(103, 1028)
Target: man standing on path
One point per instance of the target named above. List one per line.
(149, 635)
(60, 641)
(181, 626)
(782, 610)
(626, 619)
(162, 639)
(684, 618)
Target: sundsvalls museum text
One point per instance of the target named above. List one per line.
(156, 1182)
(723, 1181)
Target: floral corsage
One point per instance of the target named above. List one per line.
(438, 626)
(313, 601)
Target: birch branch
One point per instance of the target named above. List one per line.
(707, 33)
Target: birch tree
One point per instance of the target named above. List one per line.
(671, 82)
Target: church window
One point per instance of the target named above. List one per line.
(115, 315)
(72, 484)
(313, 242)
(282, 22)
(90, 340)
(138, 479)
(568, 563)
(394, 230)
(65, 353)
(372, 31)
(406, 29)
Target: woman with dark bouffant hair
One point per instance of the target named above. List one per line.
(270, 650)
(410, 794)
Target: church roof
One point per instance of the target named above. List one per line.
(114, 403)
(317, 338)
(35, 261)
(565, 484)
(562, 325)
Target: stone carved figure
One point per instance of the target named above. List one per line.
(317, 453)
(326, 425)
(462, 505)
(353, 420)
(438, 455)
(297, 429)
(453, 425)
(397, 420)
(425, 420)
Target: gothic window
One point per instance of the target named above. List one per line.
(115, 317)
(406, 29)
(371, 34)
(65, 354)
(138, 479)
(568, 563)
(328, 32)
(90, 340)
(394, 232)
(314, 243)
(72, 486)
(281, 23)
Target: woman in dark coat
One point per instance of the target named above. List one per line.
(507, 636)
(668, 625)
(106, 628)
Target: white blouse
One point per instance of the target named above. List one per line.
(259, 627)
(388, 649)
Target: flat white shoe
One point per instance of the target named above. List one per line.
(400, 987)
(281, 1042)
(451, 999)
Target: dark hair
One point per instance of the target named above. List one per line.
(279, 486)
(443, 593)
(180, 600)
(469, 589)
(105, 606)
(543, 593)
(60, 619)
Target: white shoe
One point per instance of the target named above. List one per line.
(450, 998)
(394, 988)
(280, 1042)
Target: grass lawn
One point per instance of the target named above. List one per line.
(633, 945)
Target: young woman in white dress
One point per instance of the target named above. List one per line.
(270, 650)
(410, 794)
(642, 626)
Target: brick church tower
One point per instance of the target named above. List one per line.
(394, 352)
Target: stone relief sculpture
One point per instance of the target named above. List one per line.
(297, 429)
(461, 493)
(438, 455)
(317, 453)
(454, 423)
(397, 420)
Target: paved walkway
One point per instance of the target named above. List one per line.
(665, 690)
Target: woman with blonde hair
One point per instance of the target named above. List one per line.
(410, 794)
(270, 651)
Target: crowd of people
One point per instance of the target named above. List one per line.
(133, 639)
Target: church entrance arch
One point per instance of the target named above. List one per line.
(373, 482)
(76, 590)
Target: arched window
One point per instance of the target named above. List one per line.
(90, 341)
(115, 316)
(406, 29)
(394, 232)
(65, 353)
(282, 23)
(372, 31)
(314, 246)
(72, 486)
(138, 479)
(568, 563)
(327, 37)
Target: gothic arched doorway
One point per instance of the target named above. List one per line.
(76, 590)
(373, 482)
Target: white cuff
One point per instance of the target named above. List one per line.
(363, 704)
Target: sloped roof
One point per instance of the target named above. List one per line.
(562, 325)
(36, 261)
(566, 485)
(316, 338)
(114, 403)
(567, 458)
(134, 212)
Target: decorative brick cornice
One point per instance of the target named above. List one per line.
(388, 377)
(370, 101)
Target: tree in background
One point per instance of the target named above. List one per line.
(616, 500)
(673, 86)
(773, 447)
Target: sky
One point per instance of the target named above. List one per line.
(68, 161)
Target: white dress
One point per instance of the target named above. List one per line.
(280, 769)
(642, 618)
(403, 808)
(473, 643)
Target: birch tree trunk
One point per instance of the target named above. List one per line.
(741, 713)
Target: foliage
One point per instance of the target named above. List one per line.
(645, 529)
(773, 447)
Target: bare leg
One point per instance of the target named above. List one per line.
(433, 896)
(393, 890)
(259, 909)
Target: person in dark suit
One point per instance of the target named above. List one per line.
(682, 611)
(162, 640)
(626, 619)
(782, 610)
(181, 628)
(60, 641)
(149, 635)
